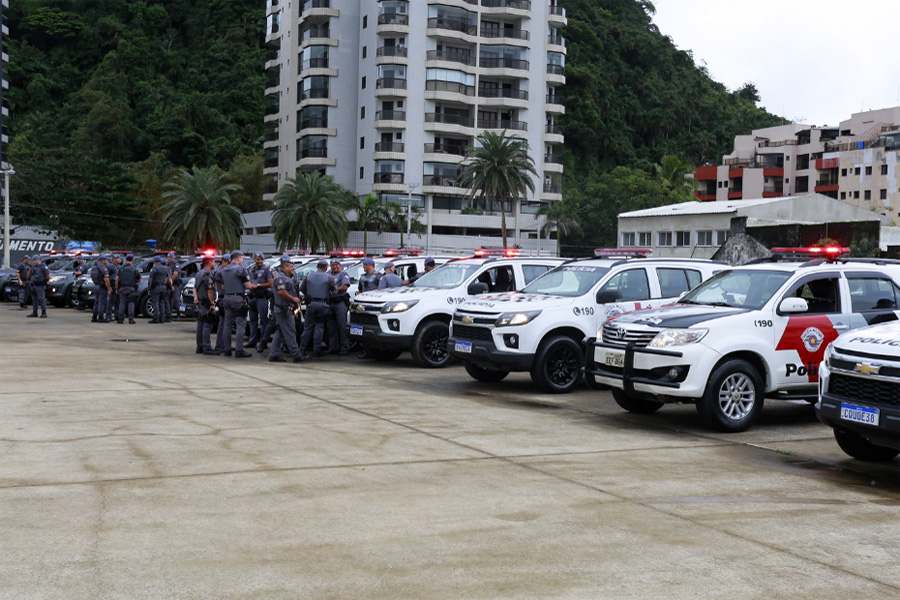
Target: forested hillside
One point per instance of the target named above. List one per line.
(108, 96)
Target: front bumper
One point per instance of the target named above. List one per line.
(373, 337)
(828, 410)
(485, 354)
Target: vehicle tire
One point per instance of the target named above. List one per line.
(860, 448)
(733, 397)
(146, 306)
(557, 365)
(638, 406)
(385, 354)
(486, 375)
(429, 347)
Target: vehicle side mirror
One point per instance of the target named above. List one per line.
(476, 288)
(608, 296)
(793, 305)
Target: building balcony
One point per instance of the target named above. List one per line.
(773, 172)
(396, 55)
(390, 119)
(387, 87)
(556, 17)
(704, 197)
(503, 97)
(315, 123)
(515, 35)
(452, 56)
(553, 134)
(444, 184)
(449, 119)
(391, 24)
(388, 182)
(513, 8)
(396, 178)
(771, 194)
(504, 63)
(317, 36)
(390, 147)
(556, 40)
(452, 24)
(316, 93)
(551, 191)
(706, 173)
(313, 9)
(553, 104)
(507, 124)
(271, 136)
(823, 164)
(735, 195)
(447, 90)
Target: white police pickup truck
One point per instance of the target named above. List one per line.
(542, 328)
(417, 317)
(749, 332)
(859, 391)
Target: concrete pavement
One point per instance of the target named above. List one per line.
(137, 469)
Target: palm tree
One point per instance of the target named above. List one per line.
(310, 213)
(500, 169)
(199, 212)
(673, 173)
(557, 218)
(397, 219)
(370, 214)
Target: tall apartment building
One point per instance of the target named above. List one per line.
(856, 162)
(385, 96)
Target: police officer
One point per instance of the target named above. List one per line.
(173, 296)
(236, 283)
(338, 335)
(81, 268)
(429, 267)
(260, 287)
(205, 299)
(369, 280)
(38, 276)
(317, 289)
(102, 287)
(112, 304)
(127, 280)
(23, 270)
(220, 296)
(390, 279)
(158, 280)
(286, 302)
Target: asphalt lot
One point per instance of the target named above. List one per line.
(132, 468)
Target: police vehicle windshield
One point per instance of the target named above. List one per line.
(738, 289)
(447, 276)
(571, 281)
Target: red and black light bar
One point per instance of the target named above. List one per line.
(827, 252)
(506, 252)
(396, 252)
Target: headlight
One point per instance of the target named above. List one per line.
(827, 358)
(57, 278)
(516, 318)
(677, 337)
(395, 307)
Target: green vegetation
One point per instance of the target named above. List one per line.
(199, 213)
(310, 212)
(109, 99)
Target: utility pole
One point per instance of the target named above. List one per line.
(410, 188)
(7, 173)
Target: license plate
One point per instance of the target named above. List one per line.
(182, 308)
(859, 414)
(464, 347)
(614, 359)
(355, 330)
(7, 290)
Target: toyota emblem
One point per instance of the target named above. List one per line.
(620, 333)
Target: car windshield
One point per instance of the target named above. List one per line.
(738, 288)
(60, 263)
(570, 280)
(447, 276)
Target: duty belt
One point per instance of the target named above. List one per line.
(235, 294)
(317, 299)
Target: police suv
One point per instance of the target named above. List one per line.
(417, 317)
(542, 328)
(749, 332)
(859, 391)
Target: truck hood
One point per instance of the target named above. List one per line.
(398, 294)
(678, 315)
(506, 301)
(883, 339)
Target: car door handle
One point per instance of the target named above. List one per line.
(841, 327)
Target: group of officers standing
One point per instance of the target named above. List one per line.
(116, 285)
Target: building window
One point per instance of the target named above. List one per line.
(664, 238)
(362, 112)
(364, 82)
(362, 143)
(627, 239)
(364, 51)
(884, 169)
(868, 195)
(843, 195)
(856, 171)
(682, 239)
(882, 195)
(365, 21)
(704, 238)
(644, 238)
(843, 172)
(721, 237)
(362, 172)
(856, 195)
(868, 170)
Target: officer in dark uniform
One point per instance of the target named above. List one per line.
(38, 276)
(369, 280)
(286, 302)
(102, 287)
(429, 267)
(338, 335)
(23, 271)
(235, 305)
(173, 297)
(159, 277)
(112, 304)
(220, 296)
(390, 279)
(261, 286)
(317, 289)
(205, 299)
(127, 280)
(81, 268)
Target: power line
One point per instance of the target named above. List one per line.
(88, 214)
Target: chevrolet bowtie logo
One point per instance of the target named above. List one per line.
(360, 308)
(867, 369)
(468, 320)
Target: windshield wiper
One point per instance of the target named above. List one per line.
(719, 304)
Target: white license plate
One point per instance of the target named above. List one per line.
(7, 290)
(355, 330)
(464, 347)
(614, 359)
(859, 414)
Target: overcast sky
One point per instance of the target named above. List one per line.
(813, 61)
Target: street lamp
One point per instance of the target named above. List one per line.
(7, 172)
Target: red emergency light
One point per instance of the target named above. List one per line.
(829, 252)
(346, 253)
(622, 252)
(396, 252)
(209, 252)
(507, 252)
